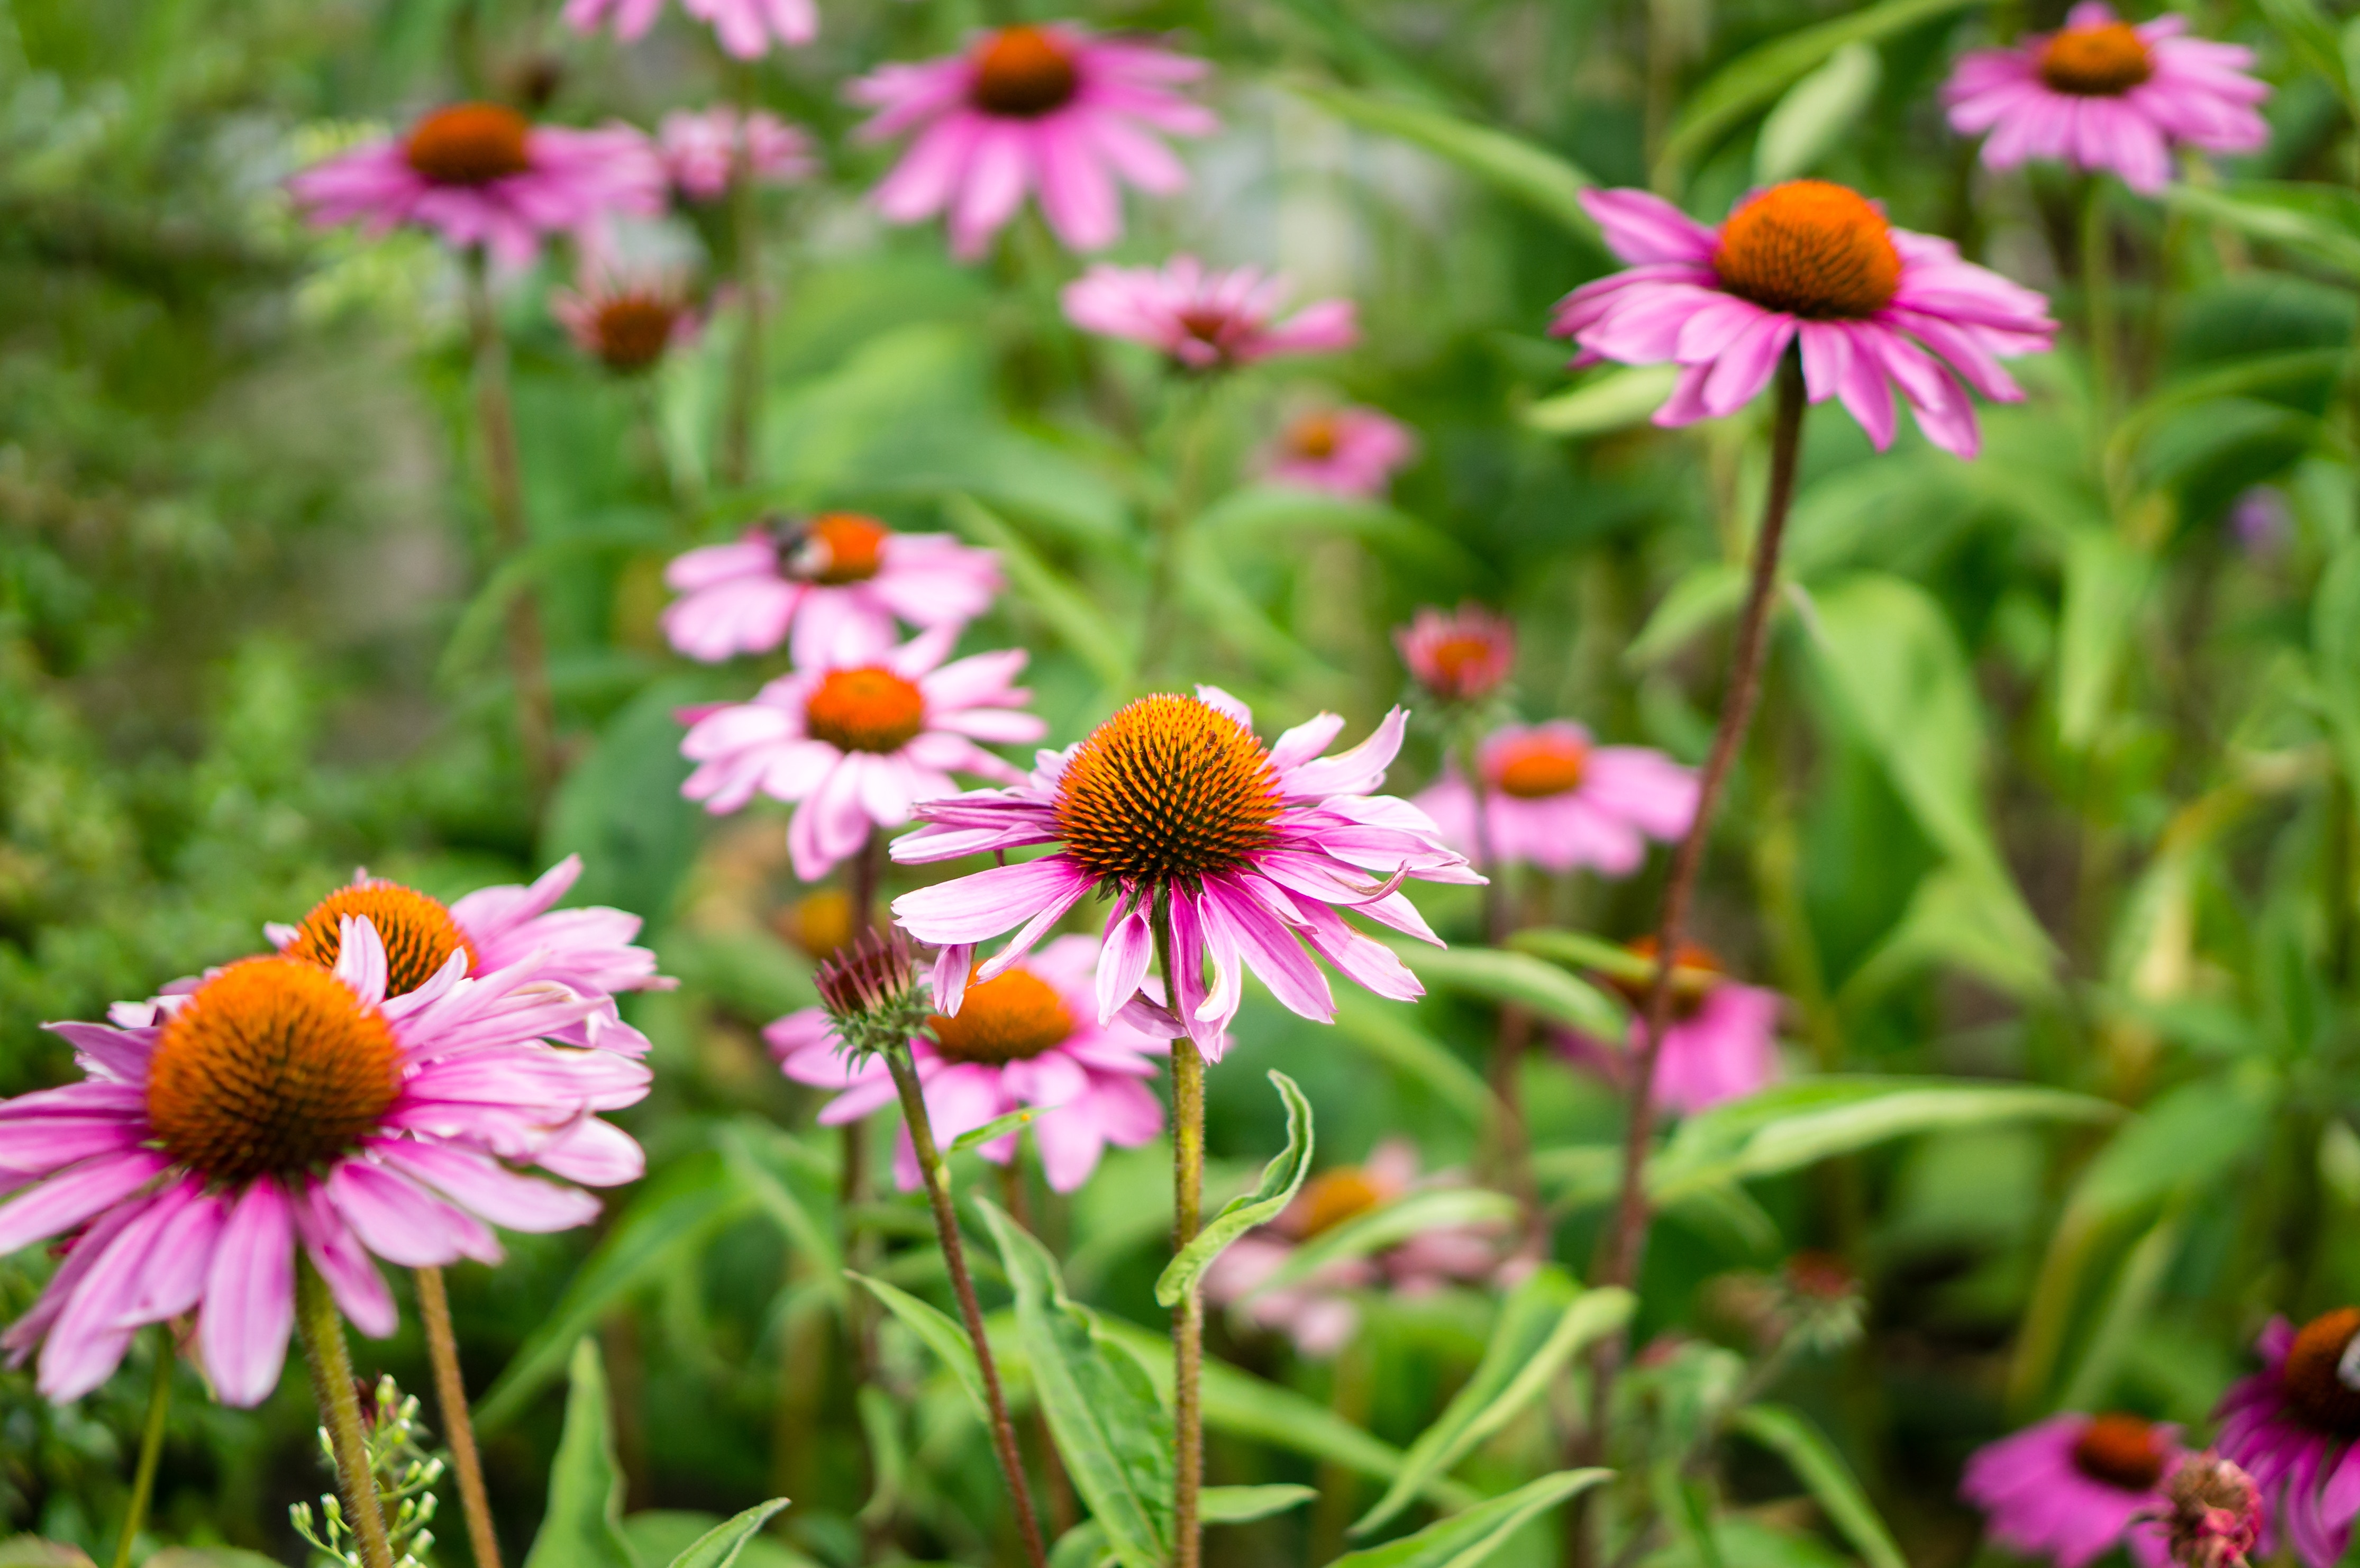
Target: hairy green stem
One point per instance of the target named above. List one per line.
(1188, 1218)
(152, 1447)
(322, 1334)
(458, 1431)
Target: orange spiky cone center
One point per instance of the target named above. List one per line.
(1012, 1016)
(1024, 72)
(868, 709)
(1170, 790)
(2312, 1377)
(469, 144)
(632, 328)
(835, 548)
(1810, 248)
(2102, 61)
(1534, 766)
(2122, 1450)
(420, 934)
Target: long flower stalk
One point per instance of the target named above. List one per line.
(743, 415)
(1188, 1314)
(152, 1447)
(458, 1430)
(331, 1365)
(1516, 1024)
(2099, 315)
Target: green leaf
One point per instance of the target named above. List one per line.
(1271, 518)
(2310, 32)
(1410, 1214)
(583, 1525)
(2106, 585)
(1281, 1180)
(720, 1546)
(670, 1219)
(620, 807)
(669, 1535)
(1816, 113)
(2319, 222)
(998, 1126)
(1541, 179)
(751, 1149)
(1242, 1505)
(1614, 399)
(1702, 596)
(1069, 613)
(1114, 1433)
(1467, 1539)
(1760, 74)
(889, 1458)
(939, 1333)
(1544, 1321)
(1800, 1445)
(1084, 1546)
(1579, 950)
(1385, 1032)
(1502, 976)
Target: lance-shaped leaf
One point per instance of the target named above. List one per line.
(1614, 400)
(1501, 975)
(719, 1547)
(1411, 1213)
(1465, 1540)
(1114, 1434)
(1548, 183)
(1281, 1180)
(1242, 1505)
(937, 1332)
(1387, 1030)
(998, 1126)
(1822, 1469)
(583, 1525)
(1543, 1323)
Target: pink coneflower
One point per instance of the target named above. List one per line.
(837, 583)
(1807, 263)
(1025, 1038)
(1721, 1044)
(2101, 93)
(1459, 656)
(2073, 1486)
(702, 149)
(281, 1103)
(860, 743)
(480, 174)
(747, 29)
(1051, 109)
(1319, 1313)
(627, 324)
(1206, 320)
(1556, 801)
(1344, 452)
(1174, 800)
(2291, 1426)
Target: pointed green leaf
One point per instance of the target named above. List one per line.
(938, 1332)
(998, 1126)
(1386, 1031)
(1502, 976)
(583, 1525)
(1281, 1180)
(719, 1547)
(1069, 613)
(1084, 1546)
(2319, 222)
(1614, 400)
(1543, 180)
(1465, 1540)
(1822, 1469)
(1816, 113)
(1411, 1213)
(2106, 585)
(1242, 1505)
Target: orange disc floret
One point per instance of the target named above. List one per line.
(419, 933)
(2102, 61)
(632, 329)
(1024, 72)
(868, 709)
(1169, 790)
(2314, 1375)
(1332, 1197)
(835, 548)
(1810, 248)
(1535, 765)
(469, 144)
(2122, 1450)
(1012, 1016)
(271, 1067)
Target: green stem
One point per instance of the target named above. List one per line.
(458, 1431)
(323, 1332)
(1160, 651)
(1188, 1218)
(746, 379)
(152, 1447)
(2098, 305)
(938, 1195)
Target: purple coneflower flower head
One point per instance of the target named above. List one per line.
(626, 321)
(2101, 93)
(1028, 1037)
(703, 149)
(1459, 656)
(1872, 308)
(1050, 109)
(480, 174)
(1319, 1313)
(1206, 320)
(2291, 1426)
(831, 586)
(2213, 1516)
(860, 743)
(281, 1104)
(1174, 804)
(2074, 1487)
(1721, 1043)
(1556, 801)
(747, 29)
(1349, 452)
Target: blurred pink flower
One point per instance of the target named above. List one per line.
(837, 582)
(2101, 93)
(480, 174)
(2293, 1426)
(1174, 799)
(1344, 452)
(283, 1104)
(2073, 1487)
(701, 150)
(2213, 1513)
(859, 743)
(1320, 1313)
(1206, 320)
(1554, 799)
(1051, 109)
(1807, 263)
(626, 321)
(1459, 656)
(1721, 1044)
(1027, 1038)
(747, 27)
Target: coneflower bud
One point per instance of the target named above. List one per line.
(2214, 1512)
(871, 990)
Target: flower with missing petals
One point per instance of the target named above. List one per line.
(627, 324)
(1204, 319)
(2074, 1487)
(1554, 799)
(1459, 656)
(1174, 809)
(703, 150)
(1343, 451)
(747, 29)
(1816, 267)
(2293, 1426)
(2213, 1516)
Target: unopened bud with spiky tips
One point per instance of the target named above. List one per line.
(871, 990)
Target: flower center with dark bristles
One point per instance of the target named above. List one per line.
(1170, 790)
(868, 709)
(1462, 663)
(469, 144)
(1208, 324)
(1025, 72)
(633, 328)
(1534, 766)
(1810, 249)
(1334, 1197)
(2313, 1376)
(2122, 1450)
(420, 935)
(271, 1067)
(1012, 1016)
(2102, 61)
(835, 548)
(1313, 437)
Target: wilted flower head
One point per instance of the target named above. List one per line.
(625, 322)
(1458, 655)
(1347, 452)
(1204, 319)
(871, 990)
(2214, 1515)
(703, 149)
